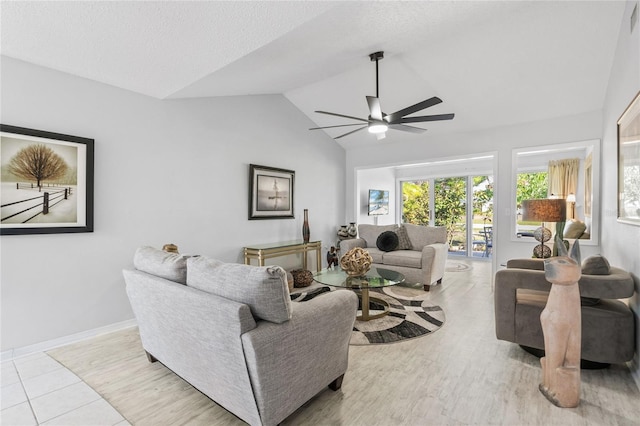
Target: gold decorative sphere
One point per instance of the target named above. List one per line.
(356, 262)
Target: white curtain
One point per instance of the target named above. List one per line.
(563, 178)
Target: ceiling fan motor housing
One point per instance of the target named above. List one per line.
(376, 56)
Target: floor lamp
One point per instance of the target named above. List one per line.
(543, 210)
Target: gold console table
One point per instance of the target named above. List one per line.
(266, 251)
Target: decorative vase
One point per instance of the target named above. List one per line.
(306, 233)
(342, 232)
(351, 230)
(559, 238)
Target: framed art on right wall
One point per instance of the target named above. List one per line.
(629, 164)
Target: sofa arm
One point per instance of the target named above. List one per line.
(289, 363)
(439, 261)
(507, 283)
(536, 264)
(346, 245)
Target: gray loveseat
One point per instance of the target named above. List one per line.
(232, 332)
(421, 259)
(608, 334)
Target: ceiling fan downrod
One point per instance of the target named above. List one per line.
(376, 57)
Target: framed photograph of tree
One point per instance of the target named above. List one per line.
(270, 192)
(629, 164)
(46, 182)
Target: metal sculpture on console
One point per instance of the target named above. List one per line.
(561, 323)
(543, 210)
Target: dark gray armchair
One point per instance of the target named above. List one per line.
(608, 328)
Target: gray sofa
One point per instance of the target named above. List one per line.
(232, 332)
(608, 334)
(421, 259)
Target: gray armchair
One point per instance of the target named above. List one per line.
(608, 329)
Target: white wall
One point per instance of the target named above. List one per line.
(166, 171)
(621, 242)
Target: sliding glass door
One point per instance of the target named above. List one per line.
(446, 201)
(451, 211)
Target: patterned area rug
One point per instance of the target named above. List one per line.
(411, 315)
(452, 266)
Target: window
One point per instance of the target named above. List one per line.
(529, 185)
(530, 180)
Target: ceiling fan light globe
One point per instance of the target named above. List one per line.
(376, 128)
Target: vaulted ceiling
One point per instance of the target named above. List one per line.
(494, 63)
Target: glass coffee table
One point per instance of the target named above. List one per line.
(375, 278)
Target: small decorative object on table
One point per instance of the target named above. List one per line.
(332, 258)
(170, 248)
(302, 278)
(306, 233)
(356, 262)
(342, 232)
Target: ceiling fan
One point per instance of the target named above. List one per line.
(378, 122)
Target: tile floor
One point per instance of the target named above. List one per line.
(37, 390)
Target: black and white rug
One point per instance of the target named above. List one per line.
(411, 315)
(453, 266)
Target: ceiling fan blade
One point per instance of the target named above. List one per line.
(343, 116)
(404, 128)
(353, 131)
(331, 127)
(381, 136)
(374, 107)
(396, 116)
(423, 118)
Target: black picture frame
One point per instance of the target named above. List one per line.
(270, 192)
(58, 200)
(629, 164)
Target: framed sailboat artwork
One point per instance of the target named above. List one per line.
(270, 192)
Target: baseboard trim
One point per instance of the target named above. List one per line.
(66, 340)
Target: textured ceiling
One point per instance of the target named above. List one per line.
(493, 63)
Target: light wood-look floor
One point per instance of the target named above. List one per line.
(459, 375)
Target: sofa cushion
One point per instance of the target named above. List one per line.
(596, 265)
(406, 258)
(421, 236)
(170, 266)
(376, 254)
(404, 243)
(263, 288)
(370, 233)
(387, 241)
(574, 229)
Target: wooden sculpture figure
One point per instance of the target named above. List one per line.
(561, 325)
(332, 258)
